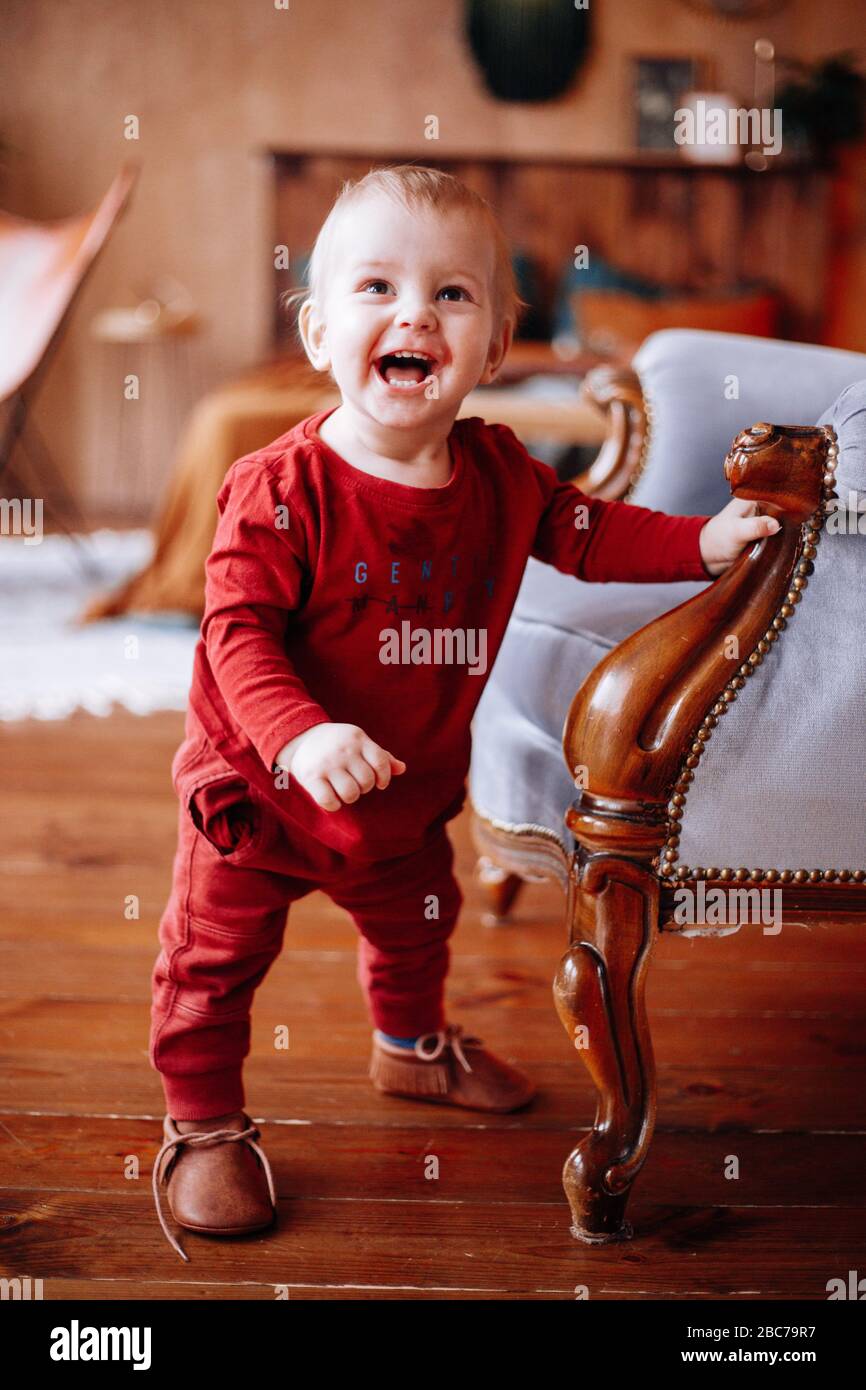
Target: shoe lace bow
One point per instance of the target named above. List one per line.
(452, 1036)
(203, 1139)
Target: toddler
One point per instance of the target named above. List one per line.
(363, 572)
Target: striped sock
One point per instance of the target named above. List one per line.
(399, 1042)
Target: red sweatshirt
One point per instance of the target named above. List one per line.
(335, 595)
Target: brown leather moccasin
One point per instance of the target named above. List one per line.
(439, 1070)
(217, 1178)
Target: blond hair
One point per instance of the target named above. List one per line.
(415, 186)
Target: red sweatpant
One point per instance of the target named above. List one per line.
(237, 868)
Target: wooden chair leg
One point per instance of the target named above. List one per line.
(500, 888)
(599, 993)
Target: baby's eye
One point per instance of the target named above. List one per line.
(376, 286)
(454, 290)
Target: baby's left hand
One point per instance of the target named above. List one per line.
(724, 536)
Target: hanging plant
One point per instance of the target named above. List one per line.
(528, 50)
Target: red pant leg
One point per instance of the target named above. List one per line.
(221, 930)
(405, 910)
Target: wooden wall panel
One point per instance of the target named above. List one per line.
(684, 226)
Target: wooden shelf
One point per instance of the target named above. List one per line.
(634, 161)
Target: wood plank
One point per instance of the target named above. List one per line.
(719, 1099)
(488, 1247)
(332, 1022)
(86, 904)
(521, 975)
(115, 1290)
(388, 1162)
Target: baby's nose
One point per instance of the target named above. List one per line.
(416, 315)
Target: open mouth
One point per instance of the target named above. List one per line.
(405, 369)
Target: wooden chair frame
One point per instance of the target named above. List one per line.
(639, 726)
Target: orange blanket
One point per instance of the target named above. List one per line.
(230, 422)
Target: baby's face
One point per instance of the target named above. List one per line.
(399, 281)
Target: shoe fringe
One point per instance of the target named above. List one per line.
(415, 1078)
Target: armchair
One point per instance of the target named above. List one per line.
(695, 733)
(671, 419)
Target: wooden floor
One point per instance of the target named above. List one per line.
(760, 1043)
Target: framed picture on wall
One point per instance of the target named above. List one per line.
(659, 85)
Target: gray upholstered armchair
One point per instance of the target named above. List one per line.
(667, 693)
(670, 427)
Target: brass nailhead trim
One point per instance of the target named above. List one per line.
(665, 863)
(649, 418)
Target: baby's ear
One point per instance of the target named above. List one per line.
(312, 328)
(497, 351)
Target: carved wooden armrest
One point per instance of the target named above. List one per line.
(637, 729)
(638, 725)
(616, 391)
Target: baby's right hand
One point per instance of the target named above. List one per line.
(336, 763)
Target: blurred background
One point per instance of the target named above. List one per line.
(243, 118)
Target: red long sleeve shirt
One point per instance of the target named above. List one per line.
(332, 594)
